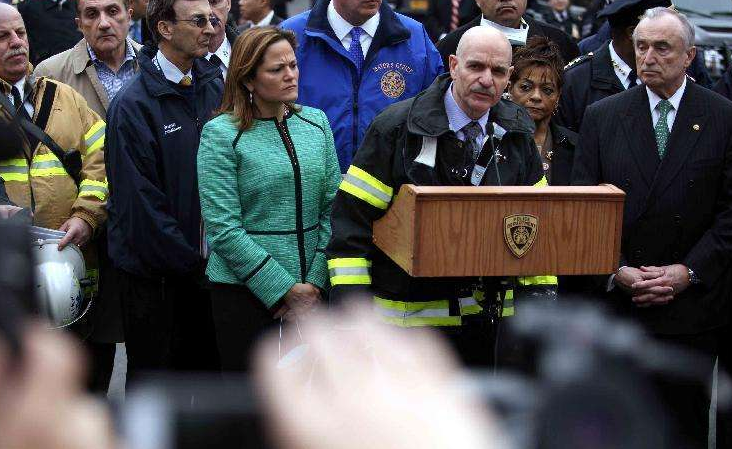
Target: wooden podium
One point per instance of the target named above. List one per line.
(503, 231)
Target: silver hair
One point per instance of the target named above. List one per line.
(687, 29)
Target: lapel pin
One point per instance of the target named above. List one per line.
(695, 127)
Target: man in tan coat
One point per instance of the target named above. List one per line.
(36, 178)
(97, 67)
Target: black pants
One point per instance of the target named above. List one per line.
(688, 401)
(240, 320)
(473, 342)
(724, 415)
(167, 324)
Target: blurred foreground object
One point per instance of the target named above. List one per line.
(361, 384)
(41, 403)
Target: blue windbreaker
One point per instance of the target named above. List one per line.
(401, 62)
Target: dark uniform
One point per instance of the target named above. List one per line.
(587, 79)
(567, 47)
(395, 152)
(50, 25)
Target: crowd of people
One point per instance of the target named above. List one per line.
(222, 174)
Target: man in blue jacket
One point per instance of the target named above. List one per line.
(155, 228)
(357, 57)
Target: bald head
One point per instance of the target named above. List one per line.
(483, 36)
(480, 70)
(13, 45)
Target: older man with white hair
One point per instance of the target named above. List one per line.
(442, 137)
(668, 144)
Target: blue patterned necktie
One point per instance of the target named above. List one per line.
(661, 130)
(471, 131)
(355, 49)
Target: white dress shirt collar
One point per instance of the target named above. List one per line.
(170, 71)
(675, 100)
(224, 54)
(516, 36)
(621, 68)
(266, 20)
(342, 29)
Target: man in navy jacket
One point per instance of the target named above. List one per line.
(351, 80)
(155, 229)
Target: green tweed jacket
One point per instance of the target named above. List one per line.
(266, 195)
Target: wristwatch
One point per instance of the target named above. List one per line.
(693, 278)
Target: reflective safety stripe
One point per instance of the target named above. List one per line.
(508, 308)
(542, 182)
(349, 271)
(537, 280)
(424, 313)
(89, 187)
(45, 165)
(366, 187)
(14, 170)
(94, 138)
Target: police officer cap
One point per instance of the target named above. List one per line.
(629, 8)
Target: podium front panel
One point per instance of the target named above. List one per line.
(503, 231)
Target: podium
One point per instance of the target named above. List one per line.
(503, 231)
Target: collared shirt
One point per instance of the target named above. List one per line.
(457, 118)
(622, 69)
(170, 71)
(111, 81)
(224, 54)
(136, 30)
(342, 29)
(674, 99)
(267, 19)
(516, 36)
(20, 85)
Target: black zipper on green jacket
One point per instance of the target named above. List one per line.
(285, 136)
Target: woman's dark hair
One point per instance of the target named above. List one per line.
(539, 51)
(246, 57)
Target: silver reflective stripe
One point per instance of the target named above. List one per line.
(14, 169)
(469, 301)
(88, 188)
(428, 152)
(349, 178)
(95, 136)
(47, 164)
(424, 313)
(348, 271)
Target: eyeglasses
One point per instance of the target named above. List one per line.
(200, 21)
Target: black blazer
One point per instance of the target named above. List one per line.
(439, 15)
(563, 144)
(569, 50)
(677, 210)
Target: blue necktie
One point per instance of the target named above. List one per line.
(355, 50)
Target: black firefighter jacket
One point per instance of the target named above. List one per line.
(387, 159)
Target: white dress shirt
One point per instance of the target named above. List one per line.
(674, 99)
(266, 20)
(342, 29)
(170, 71)
(224, 54)
(20, 85)
(516, 36)
(622, 69)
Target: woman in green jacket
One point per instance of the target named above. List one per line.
(267, 173)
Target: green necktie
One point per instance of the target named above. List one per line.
(661, 129)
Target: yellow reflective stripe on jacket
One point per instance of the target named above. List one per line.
(14, 170)
(44, 165)
(424, 313)
(508, 309)
(542, 182)
(89, 187)
(349, 271)
(537, 280)
(366, 187)
(94, 138)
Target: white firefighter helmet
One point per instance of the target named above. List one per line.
(59, 279)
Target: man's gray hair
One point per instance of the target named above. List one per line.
(687, 29)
